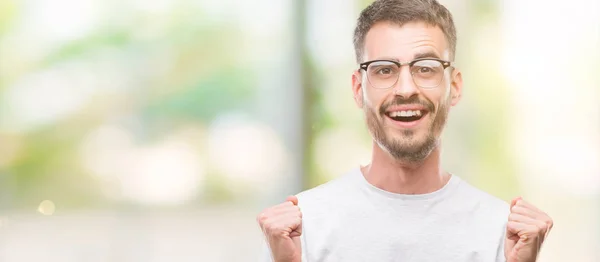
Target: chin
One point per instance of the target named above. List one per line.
(410, 148)
(412, 134)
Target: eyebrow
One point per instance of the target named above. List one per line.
(426, 54)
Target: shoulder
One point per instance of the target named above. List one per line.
(329, 193)
(483, 202)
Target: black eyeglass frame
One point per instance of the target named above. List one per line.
(445, 64)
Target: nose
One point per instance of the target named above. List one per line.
(405, 86)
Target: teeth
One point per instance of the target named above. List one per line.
(405, 113)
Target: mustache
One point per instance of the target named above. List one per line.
(413, 100)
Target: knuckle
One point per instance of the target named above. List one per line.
(550, 223)
(261, 218)
(515, 208)
(540, 227)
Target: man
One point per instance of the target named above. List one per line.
(403, 206)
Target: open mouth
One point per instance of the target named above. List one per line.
(406, 115)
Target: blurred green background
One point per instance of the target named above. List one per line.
(156, 130)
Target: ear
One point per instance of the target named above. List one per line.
(357, 88)
(456, 87)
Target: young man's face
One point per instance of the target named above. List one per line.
(405, 119)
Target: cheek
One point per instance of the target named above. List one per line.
(447, 89)
(372, 98)
(366, 100)
(441, 97)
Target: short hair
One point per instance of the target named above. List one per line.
(401, 12)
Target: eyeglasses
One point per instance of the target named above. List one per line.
(425, 72)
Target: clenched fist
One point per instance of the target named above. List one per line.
(282, 227)
(526, 230)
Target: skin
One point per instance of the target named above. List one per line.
(526, 230)
(282, 226)
(406, 175)
(406, 160)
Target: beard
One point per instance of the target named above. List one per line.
(408, 147)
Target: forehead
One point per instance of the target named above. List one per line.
(386, 40)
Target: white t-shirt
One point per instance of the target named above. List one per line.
(350, 220)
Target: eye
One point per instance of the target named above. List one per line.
(385, 71)
(427, 68)
(424, 70)
(382, 70)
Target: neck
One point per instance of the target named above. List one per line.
(402, 177)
